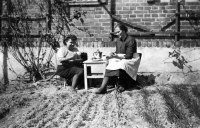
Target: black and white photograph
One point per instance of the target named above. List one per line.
(99, 63)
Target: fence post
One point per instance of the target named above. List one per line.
(177, 36)
(1, 86)
(112, 11)
(5, 53)
(5, 47)
(49, 15)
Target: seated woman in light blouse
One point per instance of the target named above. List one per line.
(69, 62)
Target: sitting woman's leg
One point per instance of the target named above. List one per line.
(74, 74)
(108, 74)
(77, 79)
(103, 88)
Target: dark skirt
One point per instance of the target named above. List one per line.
(68, 72)
(117, 73)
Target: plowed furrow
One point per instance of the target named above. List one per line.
(92, 111)
(83, 113)
(61, 112)
(33, 118)
(112, 117)
(43, 115)
(50, 115)
(72, 110)
(132, 109)
(102, 113)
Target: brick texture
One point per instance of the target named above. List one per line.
(153, 16)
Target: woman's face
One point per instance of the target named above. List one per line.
(119, 32)
(70, 43)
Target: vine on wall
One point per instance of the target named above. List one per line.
(31, 32)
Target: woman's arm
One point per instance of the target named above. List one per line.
(63, 59)
(72, 59)
(63, 55)
(131, 46)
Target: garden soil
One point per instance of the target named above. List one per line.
(50, 105)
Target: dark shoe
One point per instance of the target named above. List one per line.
(120, 89)
(110, 86)
(101, 91)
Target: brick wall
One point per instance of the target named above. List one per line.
(150, 15)
(139, 12)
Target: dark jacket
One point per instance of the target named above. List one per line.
(127, 46)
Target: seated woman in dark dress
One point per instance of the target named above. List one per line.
(69, 62)
(125, 48)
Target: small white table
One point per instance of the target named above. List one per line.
(93, 75)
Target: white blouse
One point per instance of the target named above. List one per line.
(65, 53)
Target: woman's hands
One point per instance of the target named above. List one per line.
(75, 56)
(111, 55)
(78, 53)
(114, 55)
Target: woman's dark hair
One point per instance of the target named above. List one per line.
(122, 27)
(72, 37)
